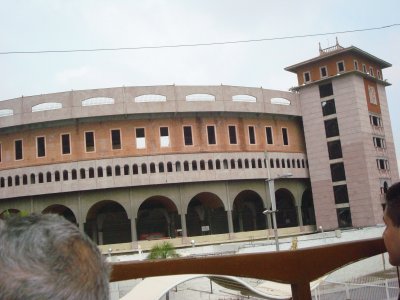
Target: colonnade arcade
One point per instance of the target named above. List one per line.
(157, 217)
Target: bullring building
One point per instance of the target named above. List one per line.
(136, 163)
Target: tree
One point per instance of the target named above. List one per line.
(165, 250)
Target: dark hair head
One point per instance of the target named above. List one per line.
(47, 257)
(392, 206)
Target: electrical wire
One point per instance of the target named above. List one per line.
(198, 44)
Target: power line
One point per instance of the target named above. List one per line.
(199, 44)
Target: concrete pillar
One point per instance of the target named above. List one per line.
(184, 228)
(299, 216)
(133, 229)
(230, 222)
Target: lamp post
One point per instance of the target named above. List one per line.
(271, 187)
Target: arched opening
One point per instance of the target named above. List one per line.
(33, 179)
(135, 169)
(91, 173)
(152, 168)
(56, 176)
(206, 215)
(74, 175)
(178, 166)
(62, 211)
(157, 218)
(82, 173)
(144, 168)
(117, 170)
(247, 212)
(65, 175)
(9, 212)
(169, 167)
(246, 163)
(210, 164)
(202, 165)
(287, 214)
(107, 223)
(48, 177)
(109, 171)
(41, 177)
(307, 208)
(161, 167)
(126, 169)
(16, 180)
(185, 165)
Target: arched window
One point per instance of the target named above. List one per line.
(48, 177)
(293, 163)
(73, 175)
(161, 167)
(233, 164)
(16, 180)
(33, 179)
(288, 163)
(109, 171)
(210, 164)
(265, 163)
(218, 164)
(302, 163)
(152, 168)
(82, 173)
(91, 173)
(56, 176)
(24, 179)
(65, 175)
(99, 172)
(41, 177)
(253, 163)
(278, 165)
(202, 165)
(194, 165)
(144, 168)
(178, 166)
(135, 169)
(271, 163)
(240, 164)
(169, 167)
(283, 163)
(9, 181)
(225, 162)
(298, 163)
(117, 170)
(259, 163)
(185, 166)
(126, 169)
(2, 183)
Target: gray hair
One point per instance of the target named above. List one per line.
(47, 257)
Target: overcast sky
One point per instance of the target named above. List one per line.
(32, 25)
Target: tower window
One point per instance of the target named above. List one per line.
(232, 135)
(140, 138)
(268, 134)
(337, 172)
(65, 144)
(382, 164)
(41, 146)
(325, 90)
(187, 135)
(89, 141)
(379, 142)
(341, 194)
(344, 217)
(323, 71)
(335, 149)
(164, 137)
(340, 66)
(364, 68)
(18, 149)
(211, 135)
(252, 136)
(356, 65)
(285, 137)
(116, 139)
(328, 107)
(371, 71)
(307, 76)
(375, 121)
(331, 128)
(379, 74)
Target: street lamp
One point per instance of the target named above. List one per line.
(271, 187)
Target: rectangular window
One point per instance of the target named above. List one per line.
(344, 217)
(40, 146)
(187, 135)
(341, 194)
(116, 139)
(232, 135)
(140, 138)
(18, 149)
(252, 135)
(382, 164)
(65, 144)
(323, 72)
(364, 68)
(331, 128)
(379, 74)
(268, 134)
(307, 76)
(211, 135)
(375, 121)
(340, 66)
(379, 142)
(164, 137)
(335, 149)
(328, 107)
(285, 137)
(337, 172)
(325, 90)
(356, 65)
(89, 141)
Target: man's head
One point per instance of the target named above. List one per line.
(391, 217)
(47, 257)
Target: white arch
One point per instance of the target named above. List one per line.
(151, 98)
(46, 106)
(244, 98)
(280, 101)
(6, 112)
(200, 97)
(97, 101)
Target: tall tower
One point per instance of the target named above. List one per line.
(348, 135)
